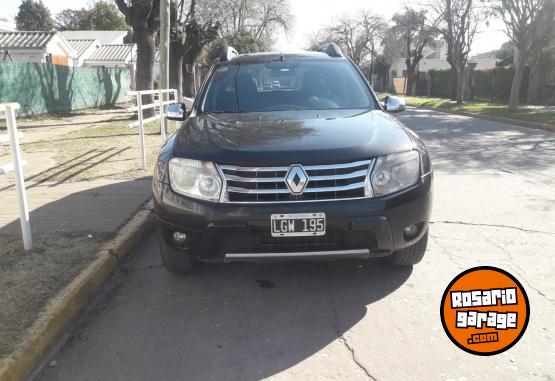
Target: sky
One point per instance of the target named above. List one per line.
(310, 15)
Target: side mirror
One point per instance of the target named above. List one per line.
(176, 111)
(394, 104)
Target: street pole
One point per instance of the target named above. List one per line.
(164, 48)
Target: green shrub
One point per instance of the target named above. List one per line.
(441, 83)
(488, 84)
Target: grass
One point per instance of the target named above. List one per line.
(486, 108)
(64, 114)
(29, 279)
(103, 151)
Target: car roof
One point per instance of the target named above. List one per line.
(275, 56)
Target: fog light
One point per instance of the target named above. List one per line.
(179, 238)
(410, 231)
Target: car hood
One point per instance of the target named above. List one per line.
(286, 137)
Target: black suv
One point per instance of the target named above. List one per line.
(290, 156)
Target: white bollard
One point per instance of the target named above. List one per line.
(19, 180)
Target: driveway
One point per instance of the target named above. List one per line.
(494, 204)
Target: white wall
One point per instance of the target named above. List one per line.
(87, 53)
(428, 64)
(484, 63)
(58, 47)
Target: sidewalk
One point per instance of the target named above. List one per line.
(83, 182)
(92, 206)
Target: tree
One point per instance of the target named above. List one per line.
(457, 21)
(529, 25)
(33, 15)
(357, 35)
(143, 16)
(71, 19)
(102, 16)
(316, 39)
(411, 28)
(105, 16)
(259, 18)
(541, 63)
(392, 47)
(189, 34)
(505, 51)
(243, 42)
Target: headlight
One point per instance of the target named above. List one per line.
(194, 178)
(394, 172)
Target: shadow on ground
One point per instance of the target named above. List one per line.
(227, 321)
(67, 234)
(458, 143)
(97, 208)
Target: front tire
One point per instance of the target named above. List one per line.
(177, 261)
(409, 255)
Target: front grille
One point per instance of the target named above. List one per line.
(267, 184)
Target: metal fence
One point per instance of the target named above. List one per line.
(157, 105)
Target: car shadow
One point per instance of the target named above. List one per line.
(75, 207)
(239, 321)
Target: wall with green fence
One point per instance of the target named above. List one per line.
(46, 88)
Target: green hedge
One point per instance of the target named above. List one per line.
(44, 88)
(441, 83)
(488, 84)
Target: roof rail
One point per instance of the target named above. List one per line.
(227, 53)
(331, 49)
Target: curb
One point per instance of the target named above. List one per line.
(69, 303)
(499, 119)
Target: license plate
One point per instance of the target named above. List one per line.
(298, 224)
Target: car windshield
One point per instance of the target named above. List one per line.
(283, 85)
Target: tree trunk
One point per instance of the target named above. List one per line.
(188, 80)
(515, 86)
(145, 63)
(454, 79)
(176, 70)
(145, 58)
(408, 78)
(533, 84)
(460, 85)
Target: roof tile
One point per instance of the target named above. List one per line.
(116, 52)
(25, 40)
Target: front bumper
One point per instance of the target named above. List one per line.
(234, 232)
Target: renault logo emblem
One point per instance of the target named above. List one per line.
(296, 179)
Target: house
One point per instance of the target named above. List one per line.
(105, 37)
(84, 49)
(43, 47)
(487, 60)
(436, 58)
(114, 55)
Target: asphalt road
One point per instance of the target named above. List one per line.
(494, 204)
